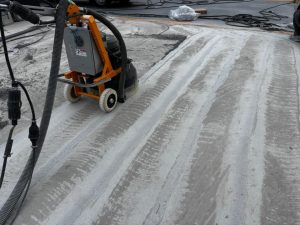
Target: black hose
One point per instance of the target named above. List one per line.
(296, 22)
(13, 202)
(116, 32)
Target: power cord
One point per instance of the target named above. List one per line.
(266, 13)
(7, 153)
(20, 46)
(14, 108)
(9, 211)
(239, 20)
(11, 73)
(250, 21)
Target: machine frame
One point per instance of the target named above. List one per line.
(108, 72)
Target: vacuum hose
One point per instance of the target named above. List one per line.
(124, 65)
(14, 201)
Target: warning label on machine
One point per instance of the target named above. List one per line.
(80, 52)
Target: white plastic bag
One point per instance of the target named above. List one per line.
(183, 13)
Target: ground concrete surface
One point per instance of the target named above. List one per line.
(210, 137)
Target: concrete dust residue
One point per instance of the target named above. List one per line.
(211, 136)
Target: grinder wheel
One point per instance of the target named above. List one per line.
(108, 100)
(296, 22)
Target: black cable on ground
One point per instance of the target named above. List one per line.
(5, 51)
(272, 15)
(20, 46)
(26, 36)
(239, 20)
(14, 106)
(28, 30)
(7, 154)
(28, 99)
(248, 20)
(19, 192)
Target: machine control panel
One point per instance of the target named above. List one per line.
(82, 52)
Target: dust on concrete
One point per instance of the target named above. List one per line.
(224, 97)
(31, 64)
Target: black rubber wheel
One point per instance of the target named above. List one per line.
(296, 22)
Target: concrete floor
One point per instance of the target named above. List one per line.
(210, 137)
(32, 64)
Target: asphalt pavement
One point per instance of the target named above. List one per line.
(215, 8)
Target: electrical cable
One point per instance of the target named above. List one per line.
(26, 36)
(14, 105)
(266, 13)
(28, 99)
(7, 154)
(248, 20)
(20, 191)
(11, 73)
(239, 20)
(20, 46)
(28, 30)
(15, 199)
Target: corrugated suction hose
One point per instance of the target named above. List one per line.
(12, 205)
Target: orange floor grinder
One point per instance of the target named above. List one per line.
(98, 62)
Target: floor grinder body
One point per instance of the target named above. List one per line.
(95, 61)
